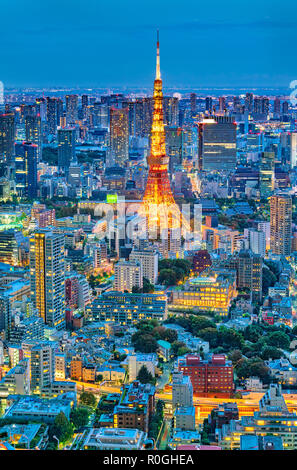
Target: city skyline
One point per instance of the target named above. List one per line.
(110, 45)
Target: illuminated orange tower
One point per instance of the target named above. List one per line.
(158, 191)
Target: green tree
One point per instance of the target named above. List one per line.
(88, 399)
(145, 377)
(61, 428)
(79, 416)
(279, 339)
(270, 352)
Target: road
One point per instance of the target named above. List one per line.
(246, 405)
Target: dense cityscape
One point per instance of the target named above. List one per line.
(148, 254)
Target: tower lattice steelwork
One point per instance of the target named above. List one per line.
(158, 192)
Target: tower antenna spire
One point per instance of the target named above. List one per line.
(158, 72)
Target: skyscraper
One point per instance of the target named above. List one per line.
(71, 109)
(52, 115)
(267, 173)
(249, 273)
(66, 148)
(47, 273)
(193, 102)
(119, 137)
(33, 132)
(217, 143)
(26, 169)
(7, 135)
(42, 365)
(248, 102)
(208, 104)
(281, 224)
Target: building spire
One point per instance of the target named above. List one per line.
(158, 72)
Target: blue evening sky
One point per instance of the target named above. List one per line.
(112, 42)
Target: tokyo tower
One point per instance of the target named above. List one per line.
(158, 198)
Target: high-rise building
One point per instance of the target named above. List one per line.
(276, 106)
(119, 137)
(208, 104)
(222, 104)
(193, 103)
(71, 109)
(281, 224)
(248, 102)
(26, 169)
(293, 149)
(84, 105)
(66, 148)
(7, 135)
(217, 143)
(33, 132)
(52, 115)
(249, 273)
(267, 173)
(149, 261)
(128, 274)
(256, 241)
(42, 366)
(47, 272)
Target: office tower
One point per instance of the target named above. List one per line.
(208, 104)
(84, 105)
(66, 148)
(33, 132)
(285, 108)
(248, 102)
(256, 241)
(170, 108)
(267, 173)
(261, 106)
(42, 366)
(281, 224)
(52, 115)
(174, 146)
(26, 169)
(182, 390)
(100, 115)
(47, 273)
(128, 274)
(158, 191)
(71, 109)
(41, 105)
(119, 137)
(293, 149)
(249, 273)
(217, 144)
(5, 315)
(7, 135)
(9, 246)
(149, 261)
(222, 104)
(236, 104)
(193, 103)
(276, 106)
